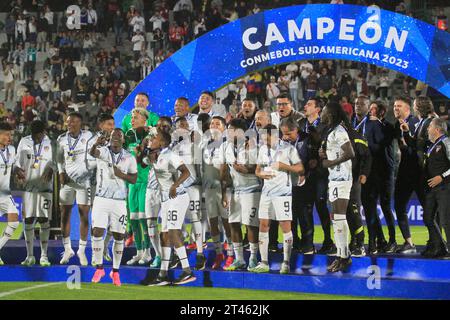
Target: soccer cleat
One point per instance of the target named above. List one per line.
(200, 264)
(83, 259)
(391, 247)
(185, 277)
(236, 265)
(308, 250)
(372, 249)
(44, 261)
(328, 248)
(252, 263)
(285, 268)
(382, 246)
(273, 248)
(29, 261)
(129, 242)
(261, 268)
(106, 255)
(407, 248)
(191, 246)
(352, 245)
(145, 259)
(134, 260)
(225, 246)
(67, 254)
(218, 261)
(229, 261)
(339, 264)
(98, 275)
(159, 281)
(1, 262)
(358, 252)
(156, 263)
(115, 277)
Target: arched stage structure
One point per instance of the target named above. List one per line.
(304, 32)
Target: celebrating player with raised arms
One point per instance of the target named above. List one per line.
(34, 161)
(7, 205)
(174, 204)
(278, 164)
(75, 180)
(336, 155)
(115, 168)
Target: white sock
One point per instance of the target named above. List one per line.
(217, 244)
(197, 230)
(97, 250)
(29, 238)
(107, 239)
(239, 251)
(44, 235)
(139, 253)
(67, 244)
(205, 228)
(253, 250)
(117, 253)
(287, 246)
(148, 252)
(341, 232)
(230, 249)
(82, 245)
(165, 258)
(264, 246)
(154, 236)
(181, 253)
(7, 234)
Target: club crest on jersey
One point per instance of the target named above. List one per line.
(438, 148)
(46, 148)
(83, 140)
(28, 156)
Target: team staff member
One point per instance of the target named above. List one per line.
(373, 129)
(406, 182)
(316, 186)
(437, 197)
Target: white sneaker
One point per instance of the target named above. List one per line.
(134, 260)
(145, 259)
(44, 261)
(29, 261)
(66, 256)
(83, 259)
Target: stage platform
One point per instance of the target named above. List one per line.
(395, 276)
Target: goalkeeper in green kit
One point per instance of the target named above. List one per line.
(136, 126)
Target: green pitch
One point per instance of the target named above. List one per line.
(89, 291)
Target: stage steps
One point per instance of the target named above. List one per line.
(395, 276)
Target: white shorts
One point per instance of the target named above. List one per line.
(275, 208)
(173, 212)
(195, 201)
(37, 205)
(339, 190)
(152, 204)
(213, 204)
(244, 208)
(70, 192)
(7, 205)
(109, 214)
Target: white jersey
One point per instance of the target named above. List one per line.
(191, 118)
(35, 159)
(72, 158)
(190, 154)
(242, 183)
(7, 160)
(108, 184)
(166, 168)
(212, 161)
(335, 140)
(281, 182)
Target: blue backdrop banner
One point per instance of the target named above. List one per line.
(318, 31)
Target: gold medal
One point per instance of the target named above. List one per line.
(35, 165)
